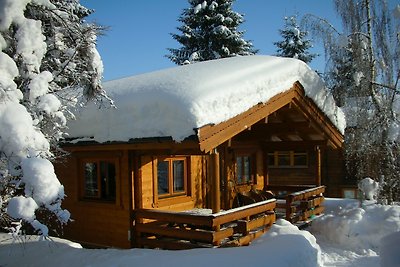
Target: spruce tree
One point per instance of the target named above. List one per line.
(294, 44)
(209, 31)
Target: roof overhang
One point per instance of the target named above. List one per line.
(211, 136)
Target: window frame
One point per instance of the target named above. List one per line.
(292, 154)
(186, 177)
(98, 197)
(252, 168)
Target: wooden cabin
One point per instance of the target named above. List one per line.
(129, 190)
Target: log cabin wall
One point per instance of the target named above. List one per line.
(333, 167)
(230, 182)
(287, 175)
(149, 198)
(97, 222)
(108, 222)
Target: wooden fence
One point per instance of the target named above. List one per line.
(299, 203)
(183, 230)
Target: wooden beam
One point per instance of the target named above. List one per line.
(150, 144)
(290, 145)
(321, 121)
(215, 178)
(242, 212)
(214, 135)
(170, 216)
(318, 166)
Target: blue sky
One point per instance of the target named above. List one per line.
(139, 31)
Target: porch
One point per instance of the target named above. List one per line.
(190, 229)
(234, 227)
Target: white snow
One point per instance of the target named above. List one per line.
(358, 228)
(357, 77)
(390, 256)
(39, 85)
(31, 44)
(40, 180)
(367, 238)
(199, 7)
(49, 103)
(369, 188)
(175, 101)
(22, 208)
(19, 138)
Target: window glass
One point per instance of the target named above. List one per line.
(99, 179)
(162, 176)
(349, 193)
(288, 159)
(239, 169)
(247, 169)
(300, 159)
(271, 159)
(179, 175)
(243, 169)
(284, 159)
(172, 176)
(107, 178)
(91, 183)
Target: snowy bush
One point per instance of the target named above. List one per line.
(369, 188)
(48, 64)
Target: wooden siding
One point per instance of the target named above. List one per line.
(293, 175)
(333, 172)
(148, 199)
(97, 223)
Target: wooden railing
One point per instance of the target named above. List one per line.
(183, 230)
(301, 203)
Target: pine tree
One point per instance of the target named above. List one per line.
(209, 31)
(294, 44)
(48, 65)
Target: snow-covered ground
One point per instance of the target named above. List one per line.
(347, 235)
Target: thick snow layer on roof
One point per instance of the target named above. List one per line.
(173, 102)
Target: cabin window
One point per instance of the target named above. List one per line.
(172, 177)
(244, 169)
(99, 179)
(288, 159)
(349, 193)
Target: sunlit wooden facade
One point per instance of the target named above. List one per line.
(114, 188)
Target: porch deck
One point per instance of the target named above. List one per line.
(234, 227)
(182, 230)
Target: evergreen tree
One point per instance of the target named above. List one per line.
(48, 65)
(209, 31)
(294, 44)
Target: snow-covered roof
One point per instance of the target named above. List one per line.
(175, 101)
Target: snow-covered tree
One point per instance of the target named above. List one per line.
(209, 31)
(364, 67)
(48, 65)
(295, 43)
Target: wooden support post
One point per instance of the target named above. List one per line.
(266, 170)
(215, 177)
(318, 178)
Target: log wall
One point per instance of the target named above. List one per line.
(95, 222)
